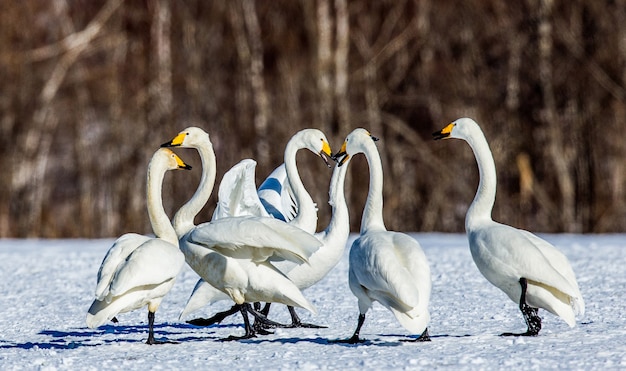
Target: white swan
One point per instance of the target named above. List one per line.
(281, 194)
(238, 196)
(385, 266)
(532, 272)
(232, 254)
(334, 239)
(139, 270)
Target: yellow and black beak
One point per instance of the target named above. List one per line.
(443, 133)
(326, 153)
(177, 141)
(341, 156)
(181, 164)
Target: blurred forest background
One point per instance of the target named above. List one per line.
(91, 88)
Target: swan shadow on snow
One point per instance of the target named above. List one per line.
(76, 338)
(321, 341)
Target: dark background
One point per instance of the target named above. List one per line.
(89, 89)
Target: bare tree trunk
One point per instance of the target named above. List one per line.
(556, 149)
(250, 50)
(341, 65)
(29, 177)
(161, 85)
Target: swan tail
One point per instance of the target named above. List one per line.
(555, 302)
(101, 312)
(412, 321)
(203, 294)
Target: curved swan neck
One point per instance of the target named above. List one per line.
(184, 218)
(481, 207)
(372, 218)
(340, 217)
(306, 219)
(159, 220)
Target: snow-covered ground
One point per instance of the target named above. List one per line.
(46, 287)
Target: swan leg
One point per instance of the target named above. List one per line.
(151, 340)
(243, 309)
(261, 322)
(422, 338)
(261, 326)
(296, 322)
(217, 318)
(355, 337)
(262, 318)
(531, 316)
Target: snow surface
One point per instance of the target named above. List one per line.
(46, 287)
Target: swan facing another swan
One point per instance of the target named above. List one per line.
(234, 254)
(385, 266)
(139, 270)
(532, 272)
(282, 196)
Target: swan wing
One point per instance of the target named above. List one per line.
(237, 195)
(152, 263)
(256, 238)
(561, 264)
(380, 270)
(117, 254)
(516, 254)
(277, 196)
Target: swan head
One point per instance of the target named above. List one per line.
(315, 141)
(353, 144)
(460, 129)
(190, 137)
(169, 159)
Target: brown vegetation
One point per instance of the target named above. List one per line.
(91, 88)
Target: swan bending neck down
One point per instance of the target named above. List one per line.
(532, 272)
(385, 266)
(139, 270)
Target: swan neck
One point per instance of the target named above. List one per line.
(372, 218)
(340, 218)
(184, 218)
(482, 205)
(161, 225)
(306, 219)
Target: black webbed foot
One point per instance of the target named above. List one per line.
(531, 315)
(217, 318)
(424, 337)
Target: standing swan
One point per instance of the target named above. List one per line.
(333, 239)
(139, 270)
(233, 253)
(532, 272)
(238, 196)
(385, 266)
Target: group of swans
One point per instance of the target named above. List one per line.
(261, 245)
(235, 254)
